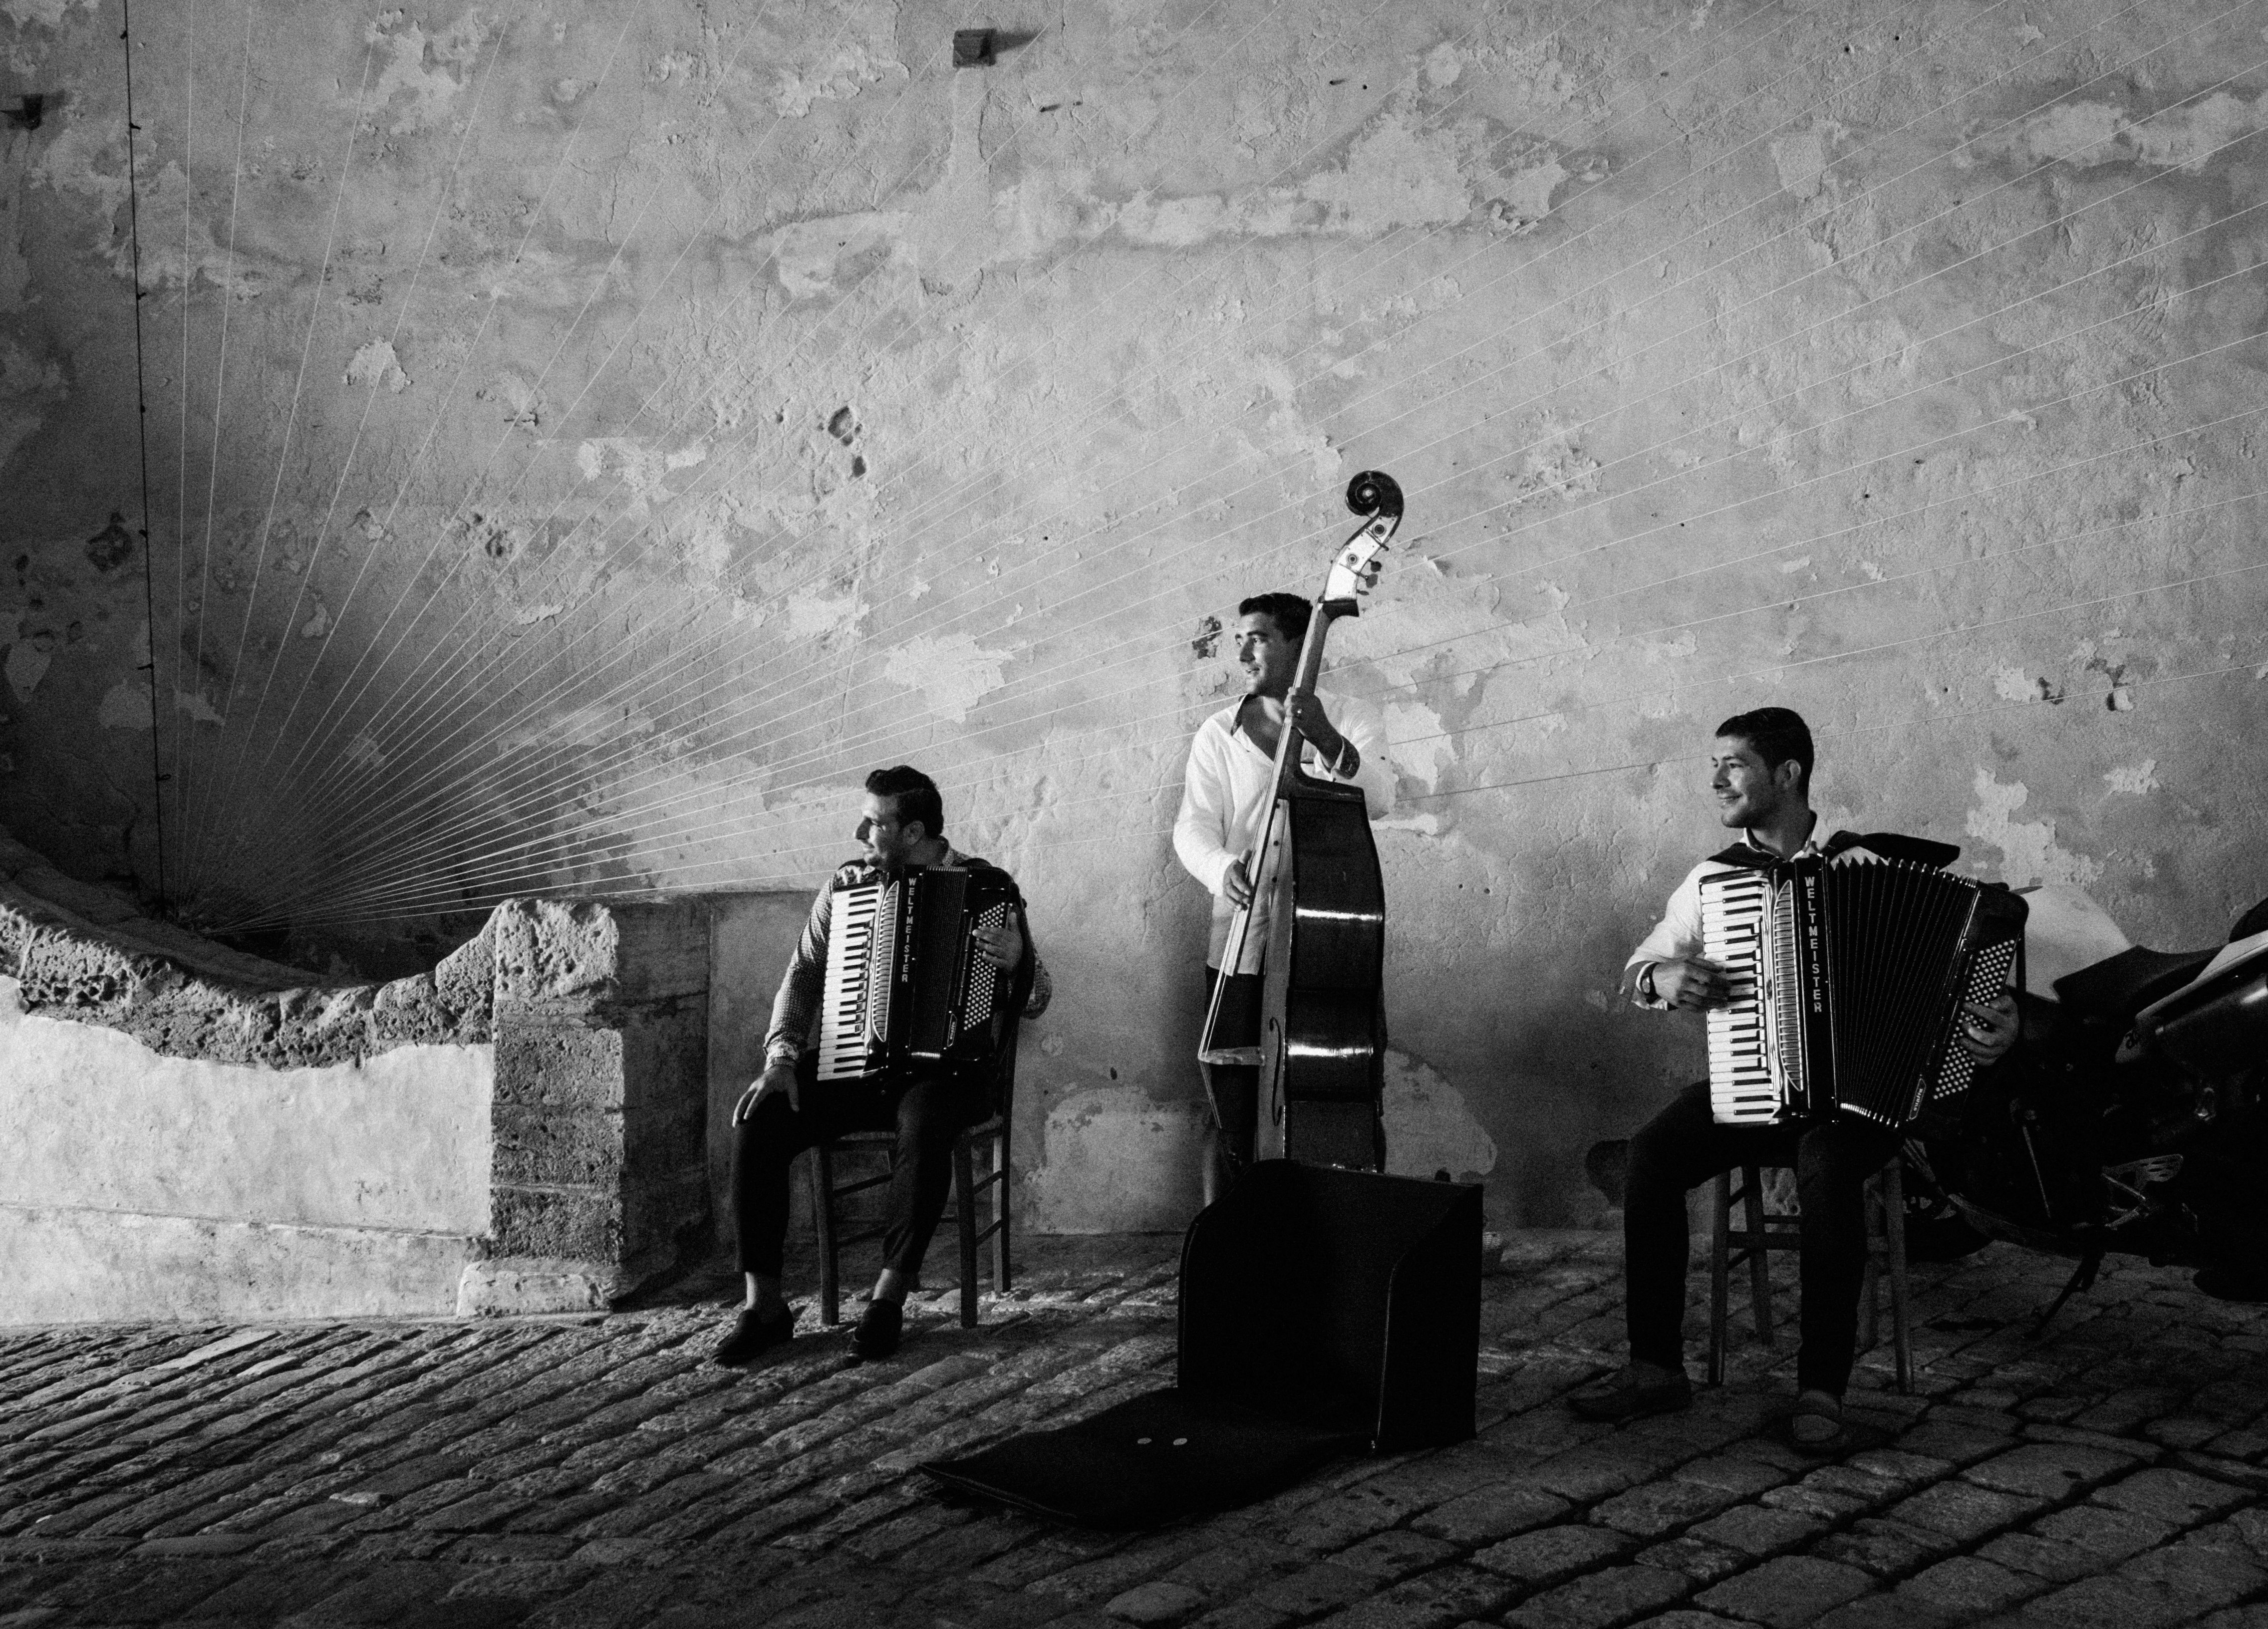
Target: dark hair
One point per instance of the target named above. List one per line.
(912, 794)
(1777, 733)
(1287, 611)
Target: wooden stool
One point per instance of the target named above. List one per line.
(967, 1186)
(1752, 1243)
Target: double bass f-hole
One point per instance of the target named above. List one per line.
(1320, 997)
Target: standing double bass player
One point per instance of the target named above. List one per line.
(1273, 822)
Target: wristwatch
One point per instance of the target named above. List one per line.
(1645, 982)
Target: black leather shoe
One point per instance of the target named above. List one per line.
(1623, 1395)
(753, 1335)
(877, 1334)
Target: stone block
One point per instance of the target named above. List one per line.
(2105, 1531)
(569, 952)
(575, 1224)
(1965, 1513)
(1784, 1593)
(2055, 1471)
(2051, 1559)
(1436, 1600)
(552, 1063)
(1697, 1559)
(1885, 1548)
(1653, 1508)
(1488, 1513)
(2110, 1603)
(1760, 1530)
(1551, 1554)
(556, 1146)
(509, 1286)
(1614, 1596)
(1155, 1602)
(1394, 1555)
(2177, 1496)
(1967, 1586)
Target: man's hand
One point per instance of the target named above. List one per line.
(1003, 945)
(1694, 983)
(1987, 1032)
(1316, 730)
(1237, 885)
(776, 1079)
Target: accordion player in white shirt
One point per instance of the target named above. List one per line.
(1760, 777)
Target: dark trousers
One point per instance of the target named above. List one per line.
(928, 1112)
(1235, 1089)
(1681, 1148)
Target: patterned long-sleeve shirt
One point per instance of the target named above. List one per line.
(795, 1009)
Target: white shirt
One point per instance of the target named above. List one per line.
(1225, 793)
(1677, 936)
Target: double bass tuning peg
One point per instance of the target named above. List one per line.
(1374, 493)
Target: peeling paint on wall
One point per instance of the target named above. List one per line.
(950, 674)
(2029, 851)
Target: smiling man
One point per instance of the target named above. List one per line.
(1760, 778)
(1225, 792)
(787, 1110)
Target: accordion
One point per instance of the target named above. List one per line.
(905, 982)
(1848, 980)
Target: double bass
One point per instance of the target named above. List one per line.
(1323, 1028)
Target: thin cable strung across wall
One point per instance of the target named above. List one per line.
(473, 777)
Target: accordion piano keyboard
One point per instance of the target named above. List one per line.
(846, 1026)
(1741, 1086)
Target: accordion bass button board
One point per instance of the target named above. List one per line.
(1849, 977)
(905, 982)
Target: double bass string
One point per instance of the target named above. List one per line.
(528, 864)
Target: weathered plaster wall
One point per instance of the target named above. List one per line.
(519, 1130)
(145, 1186)
(585, 438)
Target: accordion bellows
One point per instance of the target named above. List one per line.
(1848, 979)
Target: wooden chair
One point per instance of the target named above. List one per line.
(990, 1136)
(1762, 1234)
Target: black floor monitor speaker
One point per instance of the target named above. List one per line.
(1323, 1311)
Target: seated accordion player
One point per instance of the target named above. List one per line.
(905, 982)
(1848, 977)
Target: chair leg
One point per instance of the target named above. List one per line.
(1893, 1230)
(1721, 1250)
(1752, 1185)
(964, 1214)
(822, 1212)
(1870, 1279)
(1000, 1211)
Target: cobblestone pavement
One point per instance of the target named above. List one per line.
(601, 1472)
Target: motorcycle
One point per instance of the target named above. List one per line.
(2131, 1118)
